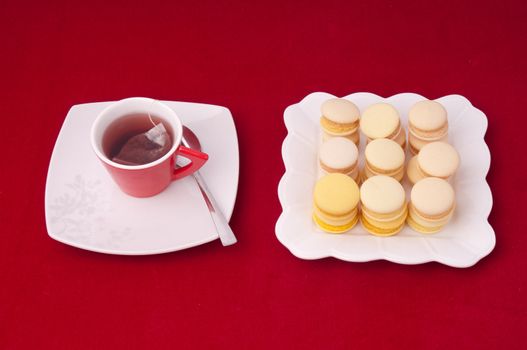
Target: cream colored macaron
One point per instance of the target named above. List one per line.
(384, 157)
(427, 122)
(432, 203)
(383, 204)
(340, 117)
(438, 159)
(381, 120)
(339, 155)
(413, 172)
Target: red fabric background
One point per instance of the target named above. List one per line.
(255, 59)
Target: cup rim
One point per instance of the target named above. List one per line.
(178, 129)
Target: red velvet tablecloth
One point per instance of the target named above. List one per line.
(255, 59)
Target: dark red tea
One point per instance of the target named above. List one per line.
(124, 140)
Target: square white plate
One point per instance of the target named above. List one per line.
(86, 209)
(463, 242)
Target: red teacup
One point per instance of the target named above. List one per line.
(148, 179)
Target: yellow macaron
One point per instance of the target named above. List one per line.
(335, 201)
(383, 204)
(340, 117)
(432, 203)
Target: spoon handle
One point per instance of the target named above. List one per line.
(222, 225)
(227, 237)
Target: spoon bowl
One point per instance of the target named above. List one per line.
(191, 138)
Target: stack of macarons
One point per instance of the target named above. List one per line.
(432, 203)
(383, 205)
(427, 122)
(340, 117)
(335, 201)
(339, 155)
(380, 202)
(436, 159)
(383, 157)
(382, 121)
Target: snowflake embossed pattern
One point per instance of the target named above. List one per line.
(79, 213)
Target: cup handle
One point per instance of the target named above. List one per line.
(197, 159)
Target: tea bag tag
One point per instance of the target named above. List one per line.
(158, 134)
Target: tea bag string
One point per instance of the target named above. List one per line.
(150, 116)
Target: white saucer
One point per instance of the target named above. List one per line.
(463, 242)
(85, 209)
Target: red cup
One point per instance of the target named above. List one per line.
(152, 178)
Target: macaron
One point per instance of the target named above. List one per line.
(340, 117)
(432, 203)
(335, 202)
(436, 159)
(339, 155)
(427, 122)
(413, 172)
(381, 120)
(384, 157)
(383, 205)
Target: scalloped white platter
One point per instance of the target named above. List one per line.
(463, 242)
(86, 209)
